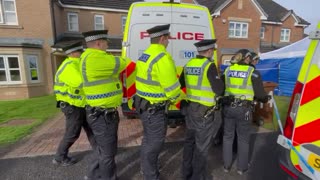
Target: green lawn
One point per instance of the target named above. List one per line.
(37, 109)
(282, 104)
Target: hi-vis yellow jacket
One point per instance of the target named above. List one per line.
(238, 81)
(68, 83)
(197, 83)
(156, 78)
(100, 72)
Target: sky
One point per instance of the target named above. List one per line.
(306, 9)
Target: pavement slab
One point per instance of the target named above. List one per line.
(46, 139)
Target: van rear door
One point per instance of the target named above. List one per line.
(190, 23)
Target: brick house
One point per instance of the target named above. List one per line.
(34, 31)
(25, 48)
(258, 25)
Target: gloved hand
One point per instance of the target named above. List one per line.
(269, 97)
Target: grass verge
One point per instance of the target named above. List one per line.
(283, 105)
(37, 109)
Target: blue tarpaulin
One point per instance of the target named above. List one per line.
(289, 59)
(282, 66)
(288, 71)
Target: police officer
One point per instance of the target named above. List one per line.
(103, 90)
(157, 86)
(254, 59)
(242, 84)
(200, 77)
(71, 100)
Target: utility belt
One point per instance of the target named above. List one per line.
(142, 105)
(108, 113)
(237, 102)
(204, 110)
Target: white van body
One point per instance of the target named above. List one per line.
(189, 23)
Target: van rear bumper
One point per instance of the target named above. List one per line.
(287, 167)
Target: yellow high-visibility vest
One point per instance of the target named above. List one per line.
(68, 83)
(101, 81)
(197, 83)
(156, 78)
(238, 81)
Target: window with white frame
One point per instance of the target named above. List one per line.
(98, 22)
(238, 29)
(227, 62)
(9, 69)
(32, 63)
(262, 30)
(73, 24)
(123, 22)
(8, 13)
(285, 35)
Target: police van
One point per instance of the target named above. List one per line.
(300, 142)
(189, 23)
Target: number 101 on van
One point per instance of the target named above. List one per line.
(187, 54)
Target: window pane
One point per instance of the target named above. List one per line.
(1, 62)
(3, 75)
(32, 63)
(99, 27)
(73, 27)
(123, 22)
(10, 17)
(230, 33)
(238, 26)
(237, 32)
(244, 33)
(13, 62)
(262, 32)
(231, 26)
(98, 20)
(15, 75)
(245, 27)
(73, 19)
(73, 22)
(9, 6)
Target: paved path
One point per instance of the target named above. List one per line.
(46, 139)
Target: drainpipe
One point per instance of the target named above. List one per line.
(53, 21)
(272, 34)
(52, 56)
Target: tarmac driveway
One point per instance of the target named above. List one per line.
(264, 164)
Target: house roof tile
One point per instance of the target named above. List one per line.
(112, 4)
(274, 11)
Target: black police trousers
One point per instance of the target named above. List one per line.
(237, 119)
(105, 130)
(154, 133)
(75, 119)
(198, 138)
